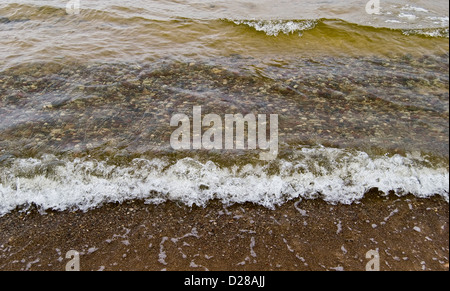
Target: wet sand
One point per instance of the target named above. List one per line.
(409, 234)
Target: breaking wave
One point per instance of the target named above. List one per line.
(275, 27)
(334, 175)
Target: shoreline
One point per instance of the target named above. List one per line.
(409, 233)
(189, 136)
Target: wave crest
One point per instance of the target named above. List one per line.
(437, 32)
(275, 27)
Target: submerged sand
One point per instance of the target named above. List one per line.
(408, 233)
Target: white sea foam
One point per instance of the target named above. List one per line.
(441, 21)
(275, 27)
(335, 175)
(408, 16)
(414, 8)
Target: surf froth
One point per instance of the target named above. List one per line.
(334, 175)
(276, 27)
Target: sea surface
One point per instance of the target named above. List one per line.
(88, 90)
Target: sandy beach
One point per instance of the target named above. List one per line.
(408, 233)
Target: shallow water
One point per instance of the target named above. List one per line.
(86, 100)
